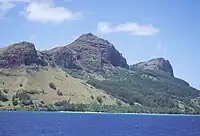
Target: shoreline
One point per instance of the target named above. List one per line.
(103, 113)
(145, 114)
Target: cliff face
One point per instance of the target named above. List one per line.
(63, 57)
(88, 52)
(20, 53)
(158, 65)
(94, 53)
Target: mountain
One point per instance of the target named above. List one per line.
(91, 74)
(30, 78)
(158, 64)
(88, 52)
(19, 54)
(63, 57)
(96, 54)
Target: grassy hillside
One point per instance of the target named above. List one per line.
(90, 74)
(142, 91)
(47, 86)
(152, 90)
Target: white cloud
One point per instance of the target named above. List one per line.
(5, 7)
(40, 10)
(48, 12)
(105, 27)
(129, 27)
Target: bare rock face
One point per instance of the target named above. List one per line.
(63, 57)
(158, 64)
(18, 54)
(94, 53)
(88, 52)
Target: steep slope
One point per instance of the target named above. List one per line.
(89, 53)
(158, 65)
(38, 82)
(156, 94)
(18, 54)
(29, 77)
(96, 54)
(63, 57)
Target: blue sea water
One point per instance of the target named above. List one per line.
(86, 124)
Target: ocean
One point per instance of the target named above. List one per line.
(90, 124)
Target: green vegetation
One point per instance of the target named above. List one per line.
(5, 91)
(99, 99)
(141, 91)
(3, 97)
(15, 102)
(66, 106)
(32, 92)
(59, 93)
(43, 91)
(147, 89)
(52, 85)
(134, 89)
(77, 73)
(23, 97)
(92, 97)
(118, 103)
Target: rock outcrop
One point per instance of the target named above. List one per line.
(158, 65)
(87, 52)
(18, 54)
(63, 57)
(95, 54)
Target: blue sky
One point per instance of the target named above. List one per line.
(140, 29)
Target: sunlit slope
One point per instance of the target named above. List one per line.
(37, 81)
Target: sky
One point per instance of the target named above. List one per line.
(139, 29)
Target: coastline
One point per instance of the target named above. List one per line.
(145, 114)
(102, 113)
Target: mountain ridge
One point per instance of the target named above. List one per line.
(91, 67)
(156, 64)
(73, 50)
(85, 46)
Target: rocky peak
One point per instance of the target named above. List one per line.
(91, 38)
(18, 54)
(157, 64)
(96, 53)
(87, 52)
